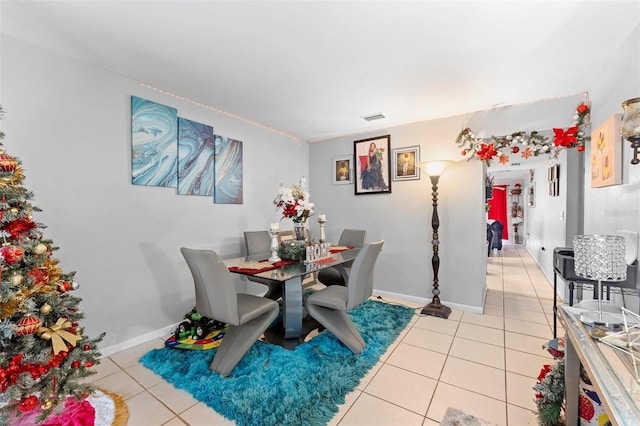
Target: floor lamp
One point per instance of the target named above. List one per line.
(434, 169)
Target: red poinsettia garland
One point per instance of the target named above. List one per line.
(527, 143)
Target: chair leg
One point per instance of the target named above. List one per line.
(237, 341)
(339, 323)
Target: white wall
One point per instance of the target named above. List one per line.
(403, 218)
(614, 208)
(69, 123)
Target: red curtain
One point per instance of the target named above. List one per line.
(498, 210)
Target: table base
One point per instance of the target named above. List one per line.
(275, 335)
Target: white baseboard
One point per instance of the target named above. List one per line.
(424, 301)
(162, 333)
(165, 332)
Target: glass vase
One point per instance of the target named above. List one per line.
(300, 231)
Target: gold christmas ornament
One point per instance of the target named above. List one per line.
(16, 279)
(40, 249)
(14, 210)
(47, 404)
(45, 309)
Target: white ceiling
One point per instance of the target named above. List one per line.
(313, 69)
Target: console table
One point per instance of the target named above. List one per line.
(609, 370)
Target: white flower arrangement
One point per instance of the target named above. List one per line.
(294, 202)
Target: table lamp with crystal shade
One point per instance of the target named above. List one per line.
(600, 258)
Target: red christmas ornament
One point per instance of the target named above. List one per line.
(28, 324)
(515, 149)
(8, 163)
(580, 148)
(88, 364)
(75, 364)
(64, 286)
(582, 109)
(11, 254)
(28, 404)
(87, 347)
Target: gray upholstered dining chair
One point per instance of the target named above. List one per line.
(258, 247)
(247, 316)
(329, 306)
(339, 276)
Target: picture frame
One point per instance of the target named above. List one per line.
(372, 165)
(342, 170)
(554, 180)
(405, 163)
(606, 153)
(532, 195)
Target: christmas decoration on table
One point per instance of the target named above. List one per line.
(294, 202)
(292, 250)
(527, 144)
(44, 354)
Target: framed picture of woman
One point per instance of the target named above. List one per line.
(372, 165)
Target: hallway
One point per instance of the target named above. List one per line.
(484, 364)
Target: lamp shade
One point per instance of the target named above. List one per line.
(600, 257)
(436, 167)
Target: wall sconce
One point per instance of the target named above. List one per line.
(434, 169)
(630, 126)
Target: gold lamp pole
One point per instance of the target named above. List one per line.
(434, 169)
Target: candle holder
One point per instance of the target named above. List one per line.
(274, 244)
(322, 221)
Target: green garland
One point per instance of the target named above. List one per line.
(293, 250)
(527, 144)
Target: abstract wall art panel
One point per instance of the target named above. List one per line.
(196, 155)
(154, 147)
(228, 188)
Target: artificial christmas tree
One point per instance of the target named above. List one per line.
(44, 354)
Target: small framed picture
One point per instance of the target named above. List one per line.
(342, 170)
(405, 163)
(372, 165)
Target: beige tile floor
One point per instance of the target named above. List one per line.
(485, 364)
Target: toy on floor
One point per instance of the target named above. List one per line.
(197, 332)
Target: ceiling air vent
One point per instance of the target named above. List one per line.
(378, 116)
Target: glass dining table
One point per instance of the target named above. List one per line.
(290, 276)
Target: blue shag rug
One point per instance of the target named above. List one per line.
(275, 386)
